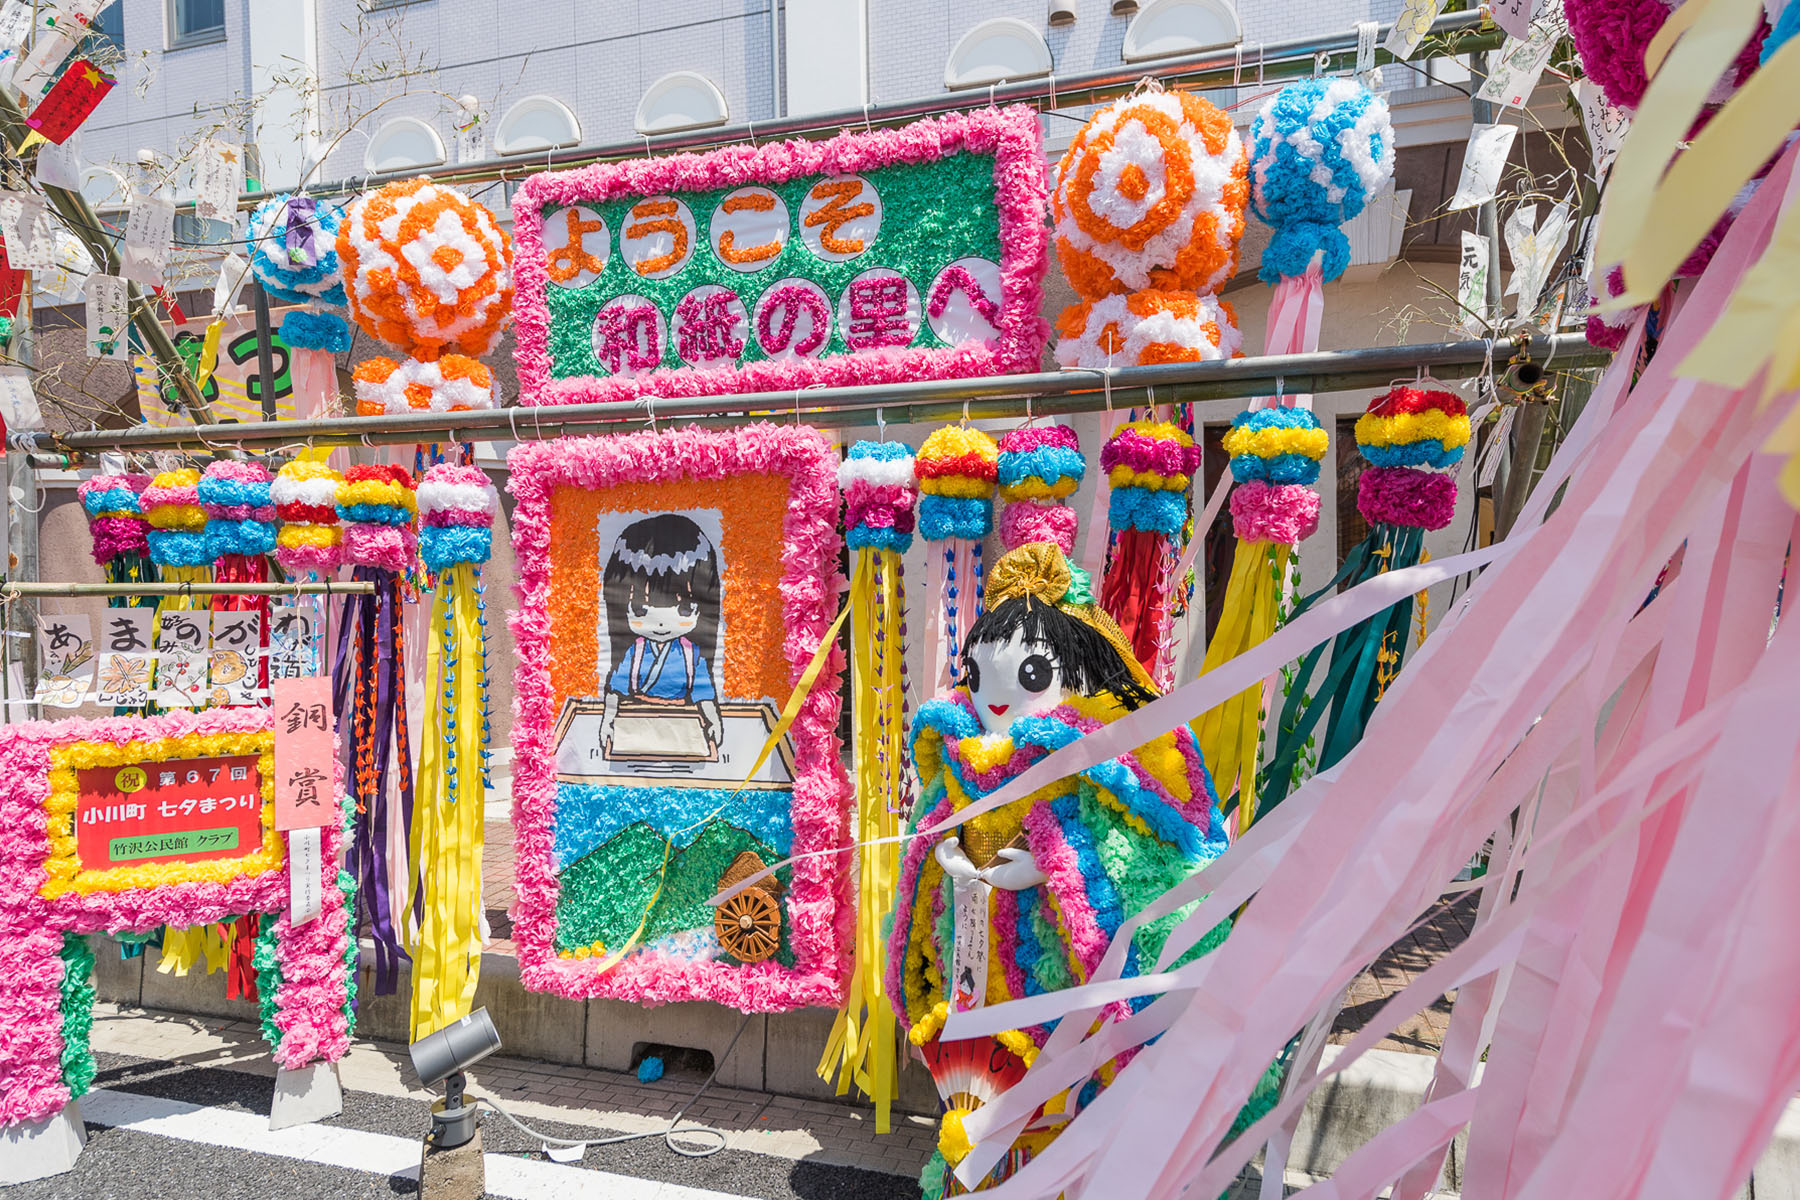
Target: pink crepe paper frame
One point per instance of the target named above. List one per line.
(817, 901)
(1021, 188)
(314, 978)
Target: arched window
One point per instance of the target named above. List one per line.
(1165, 27)
(997, 49)
(402, 143)
(681, 100)
(536, 124)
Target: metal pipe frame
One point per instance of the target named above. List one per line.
(1272, 62)
(1043, 394)
(352, 587)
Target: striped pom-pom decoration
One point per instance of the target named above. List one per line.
(1146, 328)
(880, 496)
(956, 468)
(378, 508)
(240, 517)
(1149, 465)
(1040, 467)
(305, 497)
(452, 383)
(456, 516)
(115, 514)
(1276, 445)
(171, 505)
(1413, 439)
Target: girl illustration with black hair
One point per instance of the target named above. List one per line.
(661, 586)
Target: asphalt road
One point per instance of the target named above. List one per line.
(169, 1131)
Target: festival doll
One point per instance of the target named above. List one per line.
(1024, 899)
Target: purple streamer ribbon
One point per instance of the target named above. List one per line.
(302, 231)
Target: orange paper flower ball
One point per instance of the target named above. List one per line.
(1145, 328)
(1151, 194)
(426, 269)
(451, 383)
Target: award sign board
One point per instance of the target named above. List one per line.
(675, 588)
(871, 257)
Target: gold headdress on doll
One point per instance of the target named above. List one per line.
(1040, 570)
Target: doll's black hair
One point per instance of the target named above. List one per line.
(631, 578)
(1090, 663)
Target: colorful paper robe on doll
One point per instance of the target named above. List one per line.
(1023, 900)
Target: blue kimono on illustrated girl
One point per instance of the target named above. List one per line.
(661, 586)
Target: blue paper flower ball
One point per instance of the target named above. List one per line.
(307, 272)
(1319, 150)
(302, 330)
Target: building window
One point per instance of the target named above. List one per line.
(681, 100)
(1003, 48)
(536, 124)
(108, 29)
(402, 144)
(196, 22)
(1166, 27)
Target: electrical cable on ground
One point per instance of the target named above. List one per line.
(668, 1135)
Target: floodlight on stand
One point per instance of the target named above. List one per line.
(1062, 12)
(443, 1057)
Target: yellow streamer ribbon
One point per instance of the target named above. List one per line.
(447, 830)
(1228, 734)
(209, 353)
(789, 712)
(861, 1047)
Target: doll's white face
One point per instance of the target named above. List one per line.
(663, 623)
(1013, 679)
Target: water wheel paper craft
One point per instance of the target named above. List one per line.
(674, 590)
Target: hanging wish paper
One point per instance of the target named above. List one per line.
(15, 26)
(1512, 16)
(60, 165)
(1411, 26)
(127, 660)
(107, 317)
(1483, 160)
(36, 73)
(218, 178)
(65, 280)
(1522, 62)
(70, 101)
(471, 141)
(18, 403)
(302, 751)
(1605, 125)
(236, 646)
(65, 647)
(306, 899)
(28, 229)
(234, 268)
(1471, 283)
(75, 16)
(181, 644)
(1534, 249)
(149, 238)
(291, 641)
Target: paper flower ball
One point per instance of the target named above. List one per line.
(880, 495)
(171, 504)
(305, 497)
(1276, 445)
(377, 507)
(303, 330)
(426, 269)
(1151, 194)
(240, 518)
(115, 515)
(1039, 467)
(292, 242)
(1406, 496)
(452, 383)
(1611, 36)
(1283, 513)
(1319, 150)
(1149, 465)
(1414, 427)
(956, 467)
(456, 516)
(1147, 327)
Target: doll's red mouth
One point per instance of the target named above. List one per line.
(998, 709)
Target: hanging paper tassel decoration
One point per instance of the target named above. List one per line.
(877, 479)
(1413, 438)
(1320, 150)
(1040, 467)
(293, 254)
(1146, 328)
(240, 528)
(117, 523)
(309, 544)
(456, 514)
(1275, 455)
(378, 509)
(956, 468)
(1149, 465)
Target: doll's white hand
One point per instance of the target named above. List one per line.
(1014, 871)
(956, 864)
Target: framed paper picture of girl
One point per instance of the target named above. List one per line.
(674, 588)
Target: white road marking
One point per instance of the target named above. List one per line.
(357, 1150)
